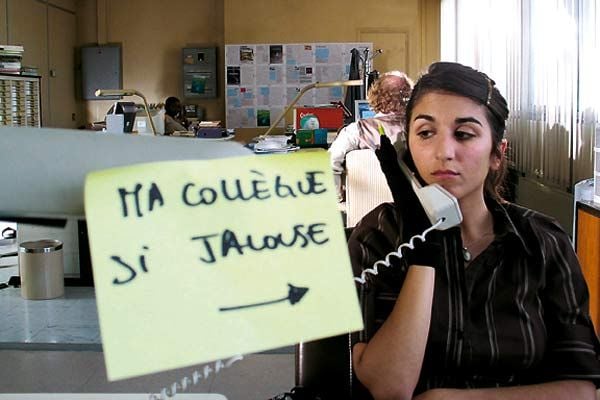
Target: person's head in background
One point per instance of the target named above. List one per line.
(389, 93)
(173, 107)
(439, 99)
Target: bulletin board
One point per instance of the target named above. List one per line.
(199, 73)
(261, 79)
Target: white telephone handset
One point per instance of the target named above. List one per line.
(437, 202)
(440, 206)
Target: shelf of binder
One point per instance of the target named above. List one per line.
(20, 100)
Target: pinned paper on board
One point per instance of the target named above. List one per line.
(196, 261)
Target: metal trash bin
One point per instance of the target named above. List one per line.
(41, 269)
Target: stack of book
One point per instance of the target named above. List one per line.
(10, 58)
(29, 71)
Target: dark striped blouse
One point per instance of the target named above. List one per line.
(517, 315)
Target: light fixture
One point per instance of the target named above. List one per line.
(127, 92)
(316, 85)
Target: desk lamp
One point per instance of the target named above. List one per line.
(305, 89)
(127, 92)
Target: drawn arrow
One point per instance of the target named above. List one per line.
(294, 295)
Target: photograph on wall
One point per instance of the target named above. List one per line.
(263, 117)
(276, 54)
(305, 74)
(246, 54)
(189, 59)
(199, 83)
(233, 75)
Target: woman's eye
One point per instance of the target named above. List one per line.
(462, 135)
(424, 134)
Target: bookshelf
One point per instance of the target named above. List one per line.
(20, 100)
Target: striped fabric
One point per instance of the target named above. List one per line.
(517, 315)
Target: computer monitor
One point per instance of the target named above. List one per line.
(362, 110)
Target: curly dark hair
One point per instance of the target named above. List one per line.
(390, 93)
(458, 79)
(172, 106)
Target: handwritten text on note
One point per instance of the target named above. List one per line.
(196, 261)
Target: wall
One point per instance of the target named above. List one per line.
(152, 34)
(3, 22)
(407, 31)
(288, 21)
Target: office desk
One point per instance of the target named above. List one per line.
(54, 346)
(587, 244)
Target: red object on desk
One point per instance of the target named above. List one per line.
(331, 118)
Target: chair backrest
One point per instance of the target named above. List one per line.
(366, 186)
(324, 366)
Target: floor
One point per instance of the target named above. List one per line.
(54, 346)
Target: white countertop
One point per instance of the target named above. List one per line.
(68, 322)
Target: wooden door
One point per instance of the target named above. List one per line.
(27, 26)
(61, 64)
(3, 22)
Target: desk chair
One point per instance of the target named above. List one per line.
(324, 367)
(366, 186)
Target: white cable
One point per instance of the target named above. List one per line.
(170, 392)
(186, 382)
(398, 253)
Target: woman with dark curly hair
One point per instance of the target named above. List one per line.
(494, 308)
(387, 96)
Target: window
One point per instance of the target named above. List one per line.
(544, 56)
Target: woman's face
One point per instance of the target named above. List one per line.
(450, 141)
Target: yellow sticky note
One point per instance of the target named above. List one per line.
(196, 261)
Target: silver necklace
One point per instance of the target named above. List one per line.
(467, 256)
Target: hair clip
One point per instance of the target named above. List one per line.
(489, 93)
